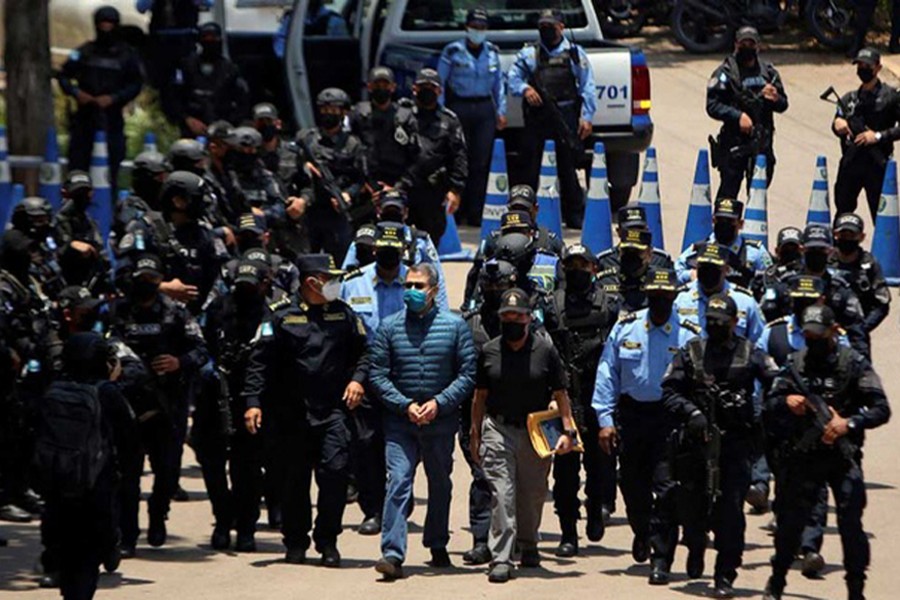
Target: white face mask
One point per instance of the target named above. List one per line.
(476, 36)
(331, 290)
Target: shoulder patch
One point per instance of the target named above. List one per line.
(743, 290)
(690, 325)
(775, 322)
(351, 275)
(756, 243)
(628, 317)
(280, 303)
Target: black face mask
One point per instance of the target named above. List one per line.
(512, 332)
(718, 333)
(865, 74)
(242, 162)
(246, 296)
(387, 258)
(549, 36)
(143, 291)
(147, 189)
(789, 255)
(847, 246)
(726, 232)
(578, 281)
(268, 132)
(365, 255)
(330, 121)
(391, 215)
(380, 95)
(709, 276)
(816, 260)
(426, 97)
(818, 348)
(107, 38)
(799, 305)
(81, 199)
(211, 49)
(746, 56)
(660, 308)
(39, 233)
(632, 264)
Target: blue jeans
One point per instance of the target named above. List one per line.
(405, 446)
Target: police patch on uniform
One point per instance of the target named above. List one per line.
(400, 136)
(356, 300)
(631, 345)
(687, 310)
(295, 320)
(334, 316)
(360, 327)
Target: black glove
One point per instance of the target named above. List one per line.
(697, 424)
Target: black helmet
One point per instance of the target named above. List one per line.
(220, 131)
(107, 14)
(186, 185)
(35, 206)
(151, 162)
(184, 155)
(514, 247)
(496, 272)
(246, 137)
(333, 97)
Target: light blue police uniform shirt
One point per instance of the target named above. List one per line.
(470, 76)
(756, 257)
(635, 358)
(690, 305)
(373, 298)
(526, 63)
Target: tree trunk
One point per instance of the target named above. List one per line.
(29, 94)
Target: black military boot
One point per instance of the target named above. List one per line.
(568, 543)
(596, 525)
(855, 586)
(774, 588)
(695, 563)
(156, 531)
(659, 573)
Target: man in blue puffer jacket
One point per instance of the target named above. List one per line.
(423, 367)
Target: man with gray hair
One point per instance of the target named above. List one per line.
(424, 367)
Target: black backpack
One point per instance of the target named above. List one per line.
(70, 450)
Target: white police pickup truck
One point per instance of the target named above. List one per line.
(407, 35)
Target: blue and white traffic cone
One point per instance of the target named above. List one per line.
(102, 204)
(648, 198)
(150, 142)
(497, 192)
(819, 203)
(596, 233)
(549, 206)
(450, 248)
(698, 225)
(886, 242)
(6, 204)
(51, 172)
(756, 215)
(16, 195)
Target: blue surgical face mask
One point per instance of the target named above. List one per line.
(476, 36)
(416, 300)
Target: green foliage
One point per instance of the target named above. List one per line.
(147, 117)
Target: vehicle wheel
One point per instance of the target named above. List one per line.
(831, 22)
(621, 19)
(698, 30)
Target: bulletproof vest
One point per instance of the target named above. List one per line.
(833, 384)
(743, 274)
(543, 271)
(204, 81)
(339, 154)
(779, 342)
(174, 14)
(390, 138)
(555, 73)
(734, 406)
(480, 334)
(543, 241)
(590, 329)
(103, 69)
(251, 188)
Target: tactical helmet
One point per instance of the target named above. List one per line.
(497, 272)
(186, 185)
(246, 137)
(333, 97)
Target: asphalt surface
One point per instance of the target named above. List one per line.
(187, 568)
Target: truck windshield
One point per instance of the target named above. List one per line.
(450, 15)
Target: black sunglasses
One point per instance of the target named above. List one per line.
(415, 284)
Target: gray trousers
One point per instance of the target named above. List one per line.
(518, 480)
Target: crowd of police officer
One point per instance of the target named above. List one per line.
(246, 276)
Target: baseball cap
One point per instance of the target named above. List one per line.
(521, 196)
(309, 264)
(848, 222)
(632, 217)
(579, 251)
(728, 208)
(789, 235)
(381, 74)
(78, 180)
(817, 236)
(264, 110)
(714, 254)
(721, 307)
(148, 264)
(477, 15)
(389, 235)
(248, 271)
(747, 33)
(550, 16)
(806, 286)
(514, 300)
(636, 238)
(220, 131)
(252, 223)
(394, 198)
(75, 296)
(818, 319)
(257, 255)
(661, 280)
(428, 76)
(365, 235)
(514, 220)
(868, 56)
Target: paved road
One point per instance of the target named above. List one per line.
(188, 569)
